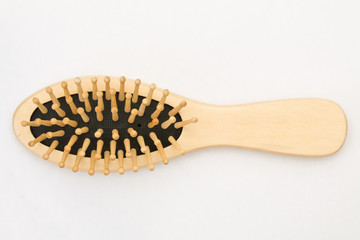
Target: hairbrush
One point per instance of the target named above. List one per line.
(113, 124)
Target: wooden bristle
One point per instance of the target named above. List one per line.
(71, 142)
(132, 132)
(176, 109)
(99, 146)
(79, 88)
(127, 147)
(100, 100)
(83, 115)
(112, 150)
(58, 110)
(85, 146)
(157, 112)
(44, 122)
(82, 130)
(77, 161)
(37, 140)
(37, 123)
(136, 91)
(94, 88)
(26, 123)
(81, 153)
(52, 96)
(186, 122)
(64, 156)
(106, 163)
(113, 98)
(107, 87)
(98, 133)
(150, 93)
(142, 107)
(135, 167)
(67, 150)
(159, 147)
(176, 145)
(127, 102)
(168, 122)
(145, 149)
(164, 96)
(115, 134)
(114, 114)
(72, 123)
(87, 102)
(41, 107)
(141, 142)
(70, 102)
(133, 115)
(121, 162)
(50, 149)
(59, 133)
(99, 115)
(92, 163)
(31, 123)
(122, 88)
(148, 157)
(64, 85)
(153, 123)
(55, 121)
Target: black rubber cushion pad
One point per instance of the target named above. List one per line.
(140, 125)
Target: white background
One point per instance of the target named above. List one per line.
(220, 52)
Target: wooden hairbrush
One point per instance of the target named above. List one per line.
(110, 124)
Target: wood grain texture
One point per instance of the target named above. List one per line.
(303, 127)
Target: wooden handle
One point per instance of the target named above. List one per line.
(303, 127)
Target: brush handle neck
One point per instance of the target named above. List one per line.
(303, 127)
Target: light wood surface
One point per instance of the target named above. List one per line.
(302, 127)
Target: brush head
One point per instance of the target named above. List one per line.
(140, 125)
(91, 117)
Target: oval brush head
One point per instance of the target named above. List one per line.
(91, 122)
